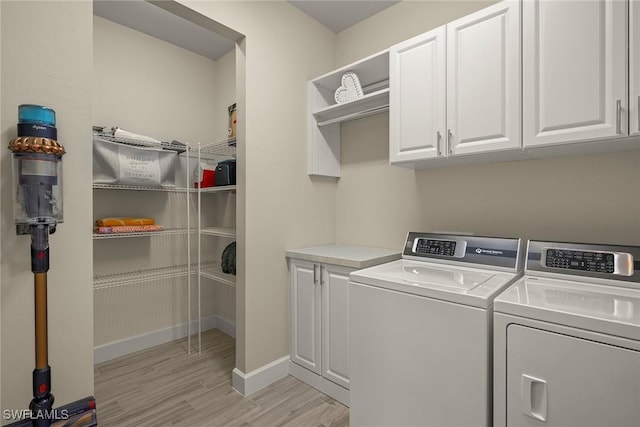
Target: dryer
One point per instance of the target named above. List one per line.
(420, 331)
(567, 338)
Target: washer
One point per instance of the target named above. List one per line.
(420, 331)
(567, 338)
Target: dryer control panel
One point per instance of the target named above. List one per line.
(602, 262)
(582, 259)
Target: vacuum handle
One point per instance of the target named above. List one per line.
(39, 249)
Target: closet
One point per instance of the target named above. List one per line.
(158, 286)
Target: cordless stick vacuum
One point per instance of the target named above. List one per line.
(37, 169)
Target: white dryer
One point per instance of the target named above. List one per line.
(420, 331)
(567, 339)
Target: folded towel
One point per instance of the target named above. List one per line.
(127, 229)
(111, 222)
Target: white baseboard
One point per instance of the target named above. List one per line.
(224, 325)
(245, 384)
(118, 348)
(320, 383)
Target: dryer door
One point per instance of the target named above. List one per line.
(565, 381)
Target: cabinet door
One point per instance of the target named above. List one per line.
(417, 97)
(335, 324)
(574, 74)
(634, 62)
(484, 80)
(564, 381)
(305, 314)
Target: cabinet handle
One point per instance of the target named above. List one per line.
(315, 278)
(618, 116)
(638, 113)
(439, 137)
(449, 140)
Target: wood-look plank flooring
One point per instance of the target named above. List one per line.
(165, 386)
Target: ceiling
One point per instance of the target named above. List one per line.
(155, 21)
(340, 15)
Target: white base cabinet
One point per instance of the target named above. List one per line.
(320, 319)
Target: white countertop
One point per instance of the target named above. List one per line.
(345, 255)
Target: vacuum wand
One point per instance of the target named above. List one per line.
(42, 402)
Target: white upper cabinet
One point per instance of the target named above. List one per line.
(483, 80)
(417, 120)
(574, 71)
(634, 62)
(457, 89)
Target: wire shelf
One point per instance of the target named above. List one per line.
(229, 232)
(171, 146)
(214, 272)
(141, 188)
(129, 278)
(165, 232)
(220, 189)
(226, 147)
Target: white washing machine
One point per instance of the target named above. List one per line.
(567, 339)
(420, 331)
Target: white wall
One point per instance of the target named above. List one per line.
(378, 204)
(50, 67)
(397, 23)
(148, 86)
(284, 207)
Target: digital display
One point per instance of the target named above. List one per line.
(436, 247)
(601, 262)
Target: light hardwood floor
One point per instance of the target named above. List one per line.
(165, 386)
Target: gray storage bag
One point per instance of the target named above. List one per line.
(122, 164)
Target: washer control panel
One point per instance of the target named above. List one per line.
(436, 247)
(602, 262)
(461, 248)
